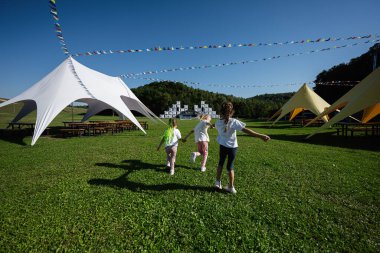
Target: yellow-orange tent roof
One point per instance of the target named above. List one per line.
(364, 96)
(304, 99)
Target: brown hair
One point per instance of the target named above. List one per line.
(227, 111)
(172, 122)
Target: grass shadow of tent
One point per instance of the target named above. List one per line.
(131, 166)
(16, 137)
(370, 143)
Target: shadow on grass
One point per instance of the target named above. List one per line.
(371, 143)
(15, 136)
(130, 166)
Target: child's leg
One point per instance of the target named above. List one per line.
(231, 176)
(199, 146)
(173, 155)
(222, 159)
(204, 153)
(167, 150)
(230, 166)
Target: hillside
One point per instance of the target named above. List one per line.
(355, 70)
(160, 95)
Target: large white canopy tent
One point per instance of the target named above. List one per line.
(364, 96)
(304, 99)
(70, 82)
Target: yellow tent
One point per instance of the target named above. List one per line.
(364, 96)
(304, 99)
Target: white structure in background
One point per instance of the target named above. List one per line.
(176, 110)
(70, 82)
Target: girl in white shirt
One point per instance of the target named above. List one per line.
(227, 140)
(201, 139)
(171, 137)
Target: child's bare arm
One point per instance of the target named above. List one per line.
(255, 134)
(185, 139)
(210, 125)
(159, 145)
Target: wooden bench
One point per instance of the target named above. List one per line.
(72, 131)
(99, 130)
(359, 129)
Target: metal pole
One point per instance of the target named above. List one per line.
(72, 112)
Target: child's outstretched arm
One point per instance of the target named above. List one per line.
(185, 139)
(211, 125)
(159, 145)
(254, 134)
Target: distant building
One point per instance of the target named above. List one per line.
(185, 113)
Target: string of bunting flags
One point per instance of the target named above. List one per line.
(197, 84)
(244, 62)
(160, 49)
(58, 28)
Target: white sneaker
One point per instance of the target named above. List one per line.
(203, 169)
(231, 190)
(218, 184)
(171, 172)
(168, 164)
(192, 157)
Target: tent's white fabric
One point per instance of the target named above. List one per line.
(304, 99)
(364, 96)
(72, 81)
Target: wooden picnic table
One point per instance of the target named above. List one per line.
(89, 127)
(345, 127)
(19, 125)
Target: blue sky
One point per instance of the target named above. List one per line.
(30, 49)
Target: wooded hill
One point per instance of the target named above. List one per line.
(158, 96)
(355, 70)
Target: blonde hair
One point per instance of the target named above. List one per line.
(169, 132)
(204, 116)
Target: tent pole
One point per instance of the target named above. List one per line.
(72, 112)
(375, 51)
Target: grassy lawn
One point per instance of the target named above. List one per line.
(112, 193)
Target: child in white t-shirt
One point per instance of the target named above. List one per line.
(171, 137)
(227, 140)
(201, 139)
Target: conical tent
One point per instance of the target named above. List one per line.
(72, 81)
(364, 96)
(304, 99)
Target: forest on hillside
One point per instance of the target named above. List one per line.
(355, 70)
(158, 96)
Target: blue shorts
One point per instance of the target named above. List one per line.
(225, 152)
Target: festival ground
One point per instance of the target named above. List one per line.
(112, 192)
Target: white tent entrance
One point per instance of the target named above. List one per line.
(70, 82)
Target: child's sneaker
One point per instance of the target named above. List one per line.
(231, 190)
(168, 164)
(192, 157)
(218, 184)
(171, 172)
(203, 169)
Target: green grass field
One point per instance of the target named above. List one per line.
(112, 193)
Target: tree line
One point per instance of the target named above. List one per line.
(159, 96)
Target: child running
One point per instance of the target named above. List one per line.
(171, 137)
(201, 139)
(227, 140)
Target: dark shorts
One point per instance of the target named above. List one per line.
(225, 152)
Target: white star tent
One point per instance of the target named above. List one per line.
(364, 96)
(304, 99)
(72, 81)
